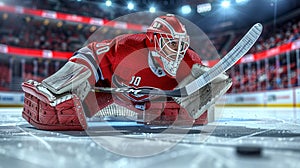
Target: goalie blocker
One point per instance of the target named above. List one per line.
(64, 100)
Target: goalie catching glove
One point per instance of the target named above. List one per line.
(197, 103)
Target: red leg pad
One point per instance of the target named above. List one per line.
(170, 113)
(67, 115)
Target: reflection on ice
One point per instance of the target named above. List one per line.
(275, 129)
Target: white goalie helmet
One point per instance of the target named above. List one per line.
(168, 38)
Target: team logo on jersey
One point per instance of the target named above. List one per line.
(132, 91)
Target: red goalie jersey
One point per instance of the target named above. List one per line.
(127, 61)
(160, 58)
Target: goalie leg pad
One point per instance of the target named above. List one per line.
(46, 115)
(169, 113)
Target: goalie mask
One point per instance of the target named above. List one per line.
(168, 42)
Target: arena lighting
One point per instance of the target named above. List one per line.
(130, 6)
(79, 26)
(202, 8)
(108, 3)
(46, 22)
(27, 19)
(241, 1)
(186, 9)
(59, 24)
(4, 16)
(225, 4)
(152, 9)
(93, 28)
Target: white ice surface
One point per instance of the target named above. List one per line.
(277, 130)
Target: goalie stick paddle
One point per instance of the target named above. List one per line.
(238, 51)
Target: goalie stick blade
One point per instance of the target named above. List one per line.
(238, 51)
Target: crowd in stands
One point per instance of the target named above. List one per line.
(37, 33)
(43, 34)
(278, 35)
(274, 36)
(270, 74)
(288, 32)
(4, 76)
(39, 69)
(87, 8)
(252, 78)
(18, 69)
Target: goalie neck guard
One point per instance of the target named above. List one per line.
(168, 42)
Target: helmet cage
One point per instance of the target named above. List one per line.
(171, 56)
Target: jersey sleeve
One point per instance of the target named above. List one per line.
(98, 56)
(193, 57)
(111, 57)
(190, 58)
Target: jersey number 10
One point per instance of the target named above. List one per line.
(135, 80)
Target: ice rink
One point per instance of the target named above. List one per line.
(223, 143)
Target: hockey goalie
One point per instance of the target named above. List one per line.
(161, 58)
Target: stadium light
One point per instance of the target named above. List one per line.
(225, 4)
(241, 1)
(130, 6)
(202, 8)
(4, 16)
(186, 9)
(152, 9)
(108, 3)
(59, 24)
(93, 28)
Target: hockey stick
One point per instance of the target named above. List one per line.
(238, 51)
